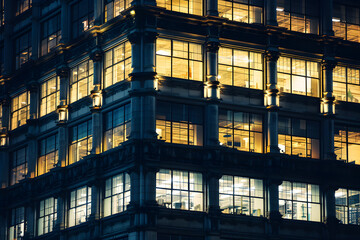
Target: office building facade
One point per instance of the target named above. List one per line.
(179, 120)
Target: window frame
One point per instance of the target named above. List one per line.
(188, 190)
(78, 21)
(73, 206)
(54, 35)
(125, 192)
(233, 195)
(122, 5)
(14, 224)
(44, 97)
(18, 111)
(14, 171)
(339, 140)
(23, 53)
(346, 83)
(301, 201)
(49, 218)
(241, 4)
(346, 208)
(186, 10)
(74, 151)
(21, 9)
(189, 61)
(293, 76)
(54, 152)
(124, 126)
(75, 83)
(232, 129)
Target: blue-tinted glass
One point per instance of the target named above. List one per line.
(285, 125)
(299, 127)
(118, 116)
(163, 111)
(195, 114)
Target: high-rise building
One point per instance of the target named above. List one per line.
(179, 119)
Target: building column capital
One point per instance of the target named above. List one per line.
(96, 54)
(148, 37)
(272, 55)
(328, 64)
(63, 71)
(212, 46)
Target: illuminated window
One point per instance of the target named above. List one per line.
(22, 6)
(82, 17)
(50, 34)
(241, 195)
(179, 123)
(298, 76)
(49, 96)
(113, 8)
(347, 143)
(18, 165)
(299, 137)
(81, 141)
(240, 68)
(20, 106)
(300, 201)
(117, 64)
(298, 15)
(47, 215)
(247, 11)
(179, 59)
(80, 206)
(348, 206)
(347, 84)
(1, 117)
(81, 80)
(179, 189)
(17, 224)
(241, 130)
(117, 126)
(117, 194)
(23, 49)
(190, 7)
(48, 156)
(346, 22)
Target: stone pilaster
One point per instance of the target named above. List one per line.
(212, 7)
(96, 95)
(8, 41)
(35, 29)
(61, 208)
(30, 221)
(331, 222)
(98, 12)
(273, 215)
(33, 88)
(326, 17)
(213, 218)
(143, 85)
(4, 140)
(65, 25)
(271, 100)
(328, 109)
(62, 109)
(270, 12)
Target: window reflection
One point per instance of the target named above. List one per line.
(300, 201)
(179, 189)
(241, 130)
(299, 137)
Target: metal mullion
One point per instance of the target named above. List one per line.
(233, 194)
(232, 66)
(172, 187)
(347, 144)
(250, 205)
(249, 75)
(292, 201)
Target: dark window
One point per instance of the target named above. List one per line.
(23, 49)
(179, 123)
(82, 17)
(22, 6)
(50, 34)
(18, 165)
(17, 224)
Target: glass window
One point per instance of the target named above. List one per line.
(346, 22)
(179, 123)
(298, 15)
(20, 106)
(1, 117)
(247, 11)
(347, 84)
(49, 95)
(189, 7)
(179, 59)
(48, 155)
(300, 201)
(2, 13)
(47, 215)
(82, 17)
(50, 34)
(241, 195)
(179, 189)
(299, 137)
(81, 80)
(241, 130)
(347, 206)
(117, 64)
(113, 8)
(23, 49)
(117, 126)
(347, 143)
(79, 206)
(17, 224)
(240, 68)
(81, 141)
(298, 76)
(22, 6)
(18, 165)
(117, 194)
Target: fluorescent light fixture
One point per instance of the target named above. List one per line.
(336, 19)
(280, 9)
